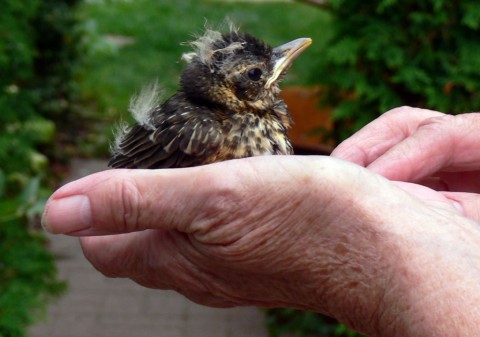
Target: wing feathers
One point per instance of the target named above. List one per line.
(176, 136)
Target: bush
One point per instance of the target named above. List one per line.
(37, 60)
(388, 53)
(304, 323)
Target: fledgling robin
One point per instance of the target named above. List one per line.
(228, 106)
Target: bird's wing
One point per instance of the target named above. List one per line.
(187, 136)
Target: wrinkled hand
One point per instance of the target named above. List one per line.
(312, 233)
(423, 146)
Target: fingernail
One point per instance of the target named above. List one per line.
(66, 215)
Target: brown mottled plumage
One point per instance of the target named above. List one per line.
(228, 106)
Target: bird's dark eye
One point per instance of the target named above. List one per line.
(254, 74)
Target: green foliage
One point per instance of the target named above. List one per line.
(388, 53)
(56, 61)
(304, 323)
(37, 60)
(16, 58)
(27, 277)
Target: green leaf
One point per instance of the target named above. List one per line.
(471, 15)
(344, 52)
(41, 131)
(30, 192)
(3, 183)
(9, 209)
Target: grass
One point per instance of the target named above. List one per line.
(157, 28)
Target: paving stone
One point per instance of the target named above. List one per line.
(165, 303)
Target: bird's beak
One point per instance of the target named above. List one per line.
(284, 55)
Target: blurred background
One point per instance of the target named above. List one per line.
(69, 67)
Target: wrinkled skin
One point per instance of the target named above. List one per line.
(387, 258)
(423, 146)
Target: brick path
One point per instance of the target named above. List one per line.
(96, 306)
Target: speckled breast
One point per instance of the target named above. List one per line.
(251, 135)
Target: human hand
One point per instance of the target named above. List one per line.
(422, 146)
(311, 233)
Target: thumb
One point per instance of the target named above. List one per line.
(122, 201)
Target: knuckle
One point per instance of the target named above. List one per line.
(224, 201)
(439, 122)
(442, 130)
(219, 207)
(399, 111)
(129, 201)
(116, 204)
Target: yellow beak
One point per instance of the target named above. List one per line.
(284, 55)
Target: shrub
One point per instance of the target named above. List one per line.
(292, 322)
(37, 60)
(388, 53)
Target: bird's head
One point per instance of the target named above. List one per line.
(236, 70)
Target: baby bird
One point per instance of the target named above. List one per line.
(228, 106)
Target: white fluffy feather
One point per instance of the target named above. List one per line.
(203, 46)
(141, 108)
(119, 133)
(142, 105)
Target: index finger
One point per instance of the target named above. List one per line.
(439, 144)
(376, 138)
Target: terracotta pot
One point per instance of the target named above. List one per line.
(309, 118)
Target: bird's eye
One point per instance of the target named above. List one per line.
(254, 74)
